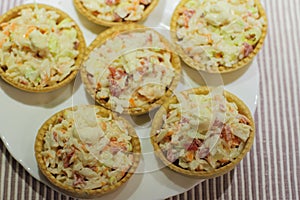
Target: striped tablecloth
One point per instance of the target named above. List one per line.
(272, 168)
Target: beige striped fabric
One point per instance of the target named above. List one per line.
(272, 169)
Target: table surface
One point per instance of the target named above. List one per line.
(272, 168)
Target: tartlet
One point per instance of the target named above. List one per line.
(41, 48)
(202, 133)
(130, 69)
(115, 12)
(218, 36)
(87, 151)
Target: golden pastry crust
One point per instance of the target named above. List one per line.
(81, 192)
(80, 47)
(112, 33)
(93, 18)
(221, 68)
(213, 172)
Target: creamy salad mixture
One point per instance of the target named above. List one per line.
(202, 132)
(130, 70)
(86, 150)
(36, 49)
(117, 10)
(219, 32)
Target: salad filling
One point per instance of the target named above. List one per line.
(218, 32)
(86, 150)
(36, 49)
(202, 132)
(130, 70)
(117, 10)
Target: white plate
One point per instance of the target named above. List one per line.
(22, 114)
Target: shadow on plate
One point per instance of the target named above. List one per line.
(208, 79)
(177, 179)
(183, 181)
(156, 18)
(46, 100)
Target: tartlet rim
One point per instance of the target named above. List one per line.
(14, 12)
(158, 121)
(86, 13)
(221, 69)
(112, 32)
(85, 193)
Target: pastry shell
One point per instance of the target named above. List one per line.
(86, 13)
(158, 122)
(85, 193)
(15, 12)
(112, 32)
(245, 62)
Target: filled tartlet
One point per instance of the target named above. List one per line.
(41, 48)
(115, 12)
(218, 36)
(87, 151)
(130, 69)
(202, 133)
